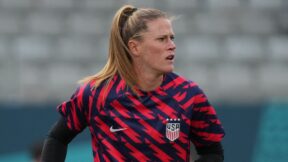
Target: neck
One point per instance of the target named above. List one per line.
(149, 82)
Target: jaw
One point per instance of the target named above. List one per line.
(156, 68)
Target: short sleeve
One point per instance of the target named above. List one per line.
(206, 128)
(74, 110)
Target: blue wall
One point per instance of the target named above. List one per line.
(247, 129)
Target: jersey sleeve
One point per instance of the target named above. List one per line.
(74, 110)
(206, 128)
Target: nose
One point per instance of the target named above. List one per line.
(172, 45)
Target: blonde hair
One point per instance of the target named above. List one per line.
(127, 24)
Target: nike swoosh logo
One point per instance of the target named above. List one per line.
(116, 130)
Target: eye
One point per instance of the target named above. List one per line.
(161, 39)
(166, 38)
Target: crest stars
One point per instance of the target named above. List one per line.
(173, 119)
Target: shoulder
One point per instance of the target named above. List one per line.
(80, 94)
(176, 80)
(84, 90)
(108, 88)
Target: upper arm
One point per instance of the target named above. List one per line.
(206, 128)
(74, 111)
(61, 132)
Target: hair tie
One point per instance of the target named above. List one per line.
(129, 13)
(134, 9)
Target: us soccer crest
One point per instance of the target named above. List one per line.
(173, 129)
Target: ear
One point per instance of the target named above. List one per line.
(133, 47)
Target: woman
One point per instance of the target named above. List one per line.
(136, 108)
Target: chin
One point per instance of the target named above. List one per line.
(168, 70)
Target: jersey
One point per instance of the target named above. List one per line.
(151, 126)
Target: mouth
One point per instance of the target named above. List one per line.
(170, 57)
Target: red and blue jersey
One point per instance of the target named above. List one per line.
(150, 126)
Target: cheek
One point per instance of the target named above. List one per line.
(154, 52)
(153, 56)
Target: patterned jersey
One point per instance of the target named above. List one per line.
(151, 126)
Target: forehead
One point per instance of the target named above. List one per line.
(160, 26)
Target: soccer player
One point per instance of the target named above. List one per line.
(136, 108)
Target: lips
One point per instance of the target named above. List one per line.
(170, 57)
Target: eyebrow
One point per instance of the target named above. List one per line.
(157, 35)
(166, 34)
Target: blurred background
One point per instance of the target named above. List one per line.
(236, 50)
